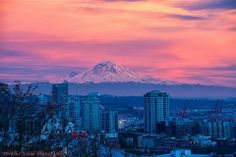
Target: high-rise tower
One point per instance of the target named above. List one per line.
(91, 113)
(59, 97)
(156, 109)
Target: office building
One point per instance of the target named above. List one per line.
(156, 109)
(59, 97)
(74, 109)
(110, 121)
(59, 91)
(91, 113)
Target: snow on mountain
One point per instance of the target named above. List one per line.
(108, 71)
(69, 77)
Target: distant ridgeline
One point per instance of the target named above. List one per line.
(138, 89)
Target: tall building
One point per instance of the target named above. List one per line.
(74, 109)
(91, 113)
(110, 121)
(156, 109)
(59, 97)
(58, 92)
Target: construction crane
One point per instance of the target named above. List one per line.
(182, 113)
(216, 111)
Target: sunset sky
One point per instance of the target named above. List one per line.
(192, 41)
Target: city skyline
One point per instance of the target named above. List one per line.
(191, 42)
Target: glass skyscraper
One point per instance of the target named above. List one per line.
(91, 113)
(74, 109)
(59, 97)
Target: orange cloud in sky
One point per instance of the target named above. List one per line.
(176, 41)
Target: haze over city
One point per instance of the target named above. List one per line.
(188, 42)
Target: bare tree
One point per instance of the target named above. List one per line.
(5, 107)
(19, 100)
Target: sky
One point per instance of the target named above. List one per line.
(184, 41)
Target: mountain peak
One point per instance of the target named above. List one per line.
(106, 66)
(105, 62)
(107, 71)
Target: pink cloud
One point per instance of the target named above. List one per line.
(167, 39)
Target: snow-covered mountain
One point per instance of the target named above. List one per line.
(113, 79)
(108, 71)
